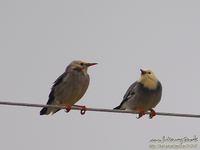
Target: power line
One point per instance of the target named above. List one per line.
(97, 109)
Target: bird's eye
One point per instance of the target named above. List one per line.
(149, 72)
(81, 64)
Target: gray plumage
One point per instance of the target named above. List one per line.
(144, 94)
(69, 87)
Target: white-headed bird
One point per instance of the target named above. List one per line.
(69, 87)
(143, 94)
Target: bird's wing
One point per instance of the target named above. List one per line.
(130, 92)
(51, 95)
(56, 83)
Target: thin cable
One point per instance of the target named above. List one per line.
(97, 109)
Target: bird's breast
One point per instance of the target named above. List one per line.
(144, 98)
(72, 89)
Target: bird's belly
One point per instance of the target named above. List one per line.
(143, 102)
(72, 95)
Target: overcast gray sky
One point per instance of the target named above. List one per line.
(40, 38)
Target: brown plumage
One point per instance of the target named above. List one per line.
(69, 87)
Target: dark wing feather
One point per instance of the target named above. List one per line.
(128, 94)
(57, 82)
(51, 95)
(130, 91)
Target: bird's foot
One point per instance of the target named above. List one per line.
(68, 107)
(141, 112)
(83, 110)
(153, 113)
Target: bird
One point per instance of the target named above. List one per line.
(143, 95)
(69, 87)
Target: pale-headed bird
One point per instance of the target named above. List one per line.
(143, 95)
(69, 87)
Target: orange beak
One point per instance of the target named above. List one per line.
(142, 72)
(91, 64)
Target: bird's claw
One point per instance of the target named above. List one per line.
(140, 115)
(67, 110)
(83, 110)
(68, 107)
(141, 112)
(153, 113)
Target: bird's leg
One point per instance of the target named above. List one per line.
(83, 110)
(153, 113)
(68, 107)
(141, 112)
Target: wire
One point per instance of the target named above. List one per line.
(97, 109)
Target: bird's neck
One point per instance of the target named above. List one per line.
(150, 84)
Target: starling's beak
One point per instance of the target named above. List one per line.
(91, 64)
(142, 71)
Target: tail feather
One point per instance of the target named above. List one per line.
(122, 105)
(46, 111)
(118, 107)
(43, 111)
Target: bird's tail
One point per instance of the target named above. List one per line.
(46, 111)
(118, 107)
(43, 111)
(121, 106)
